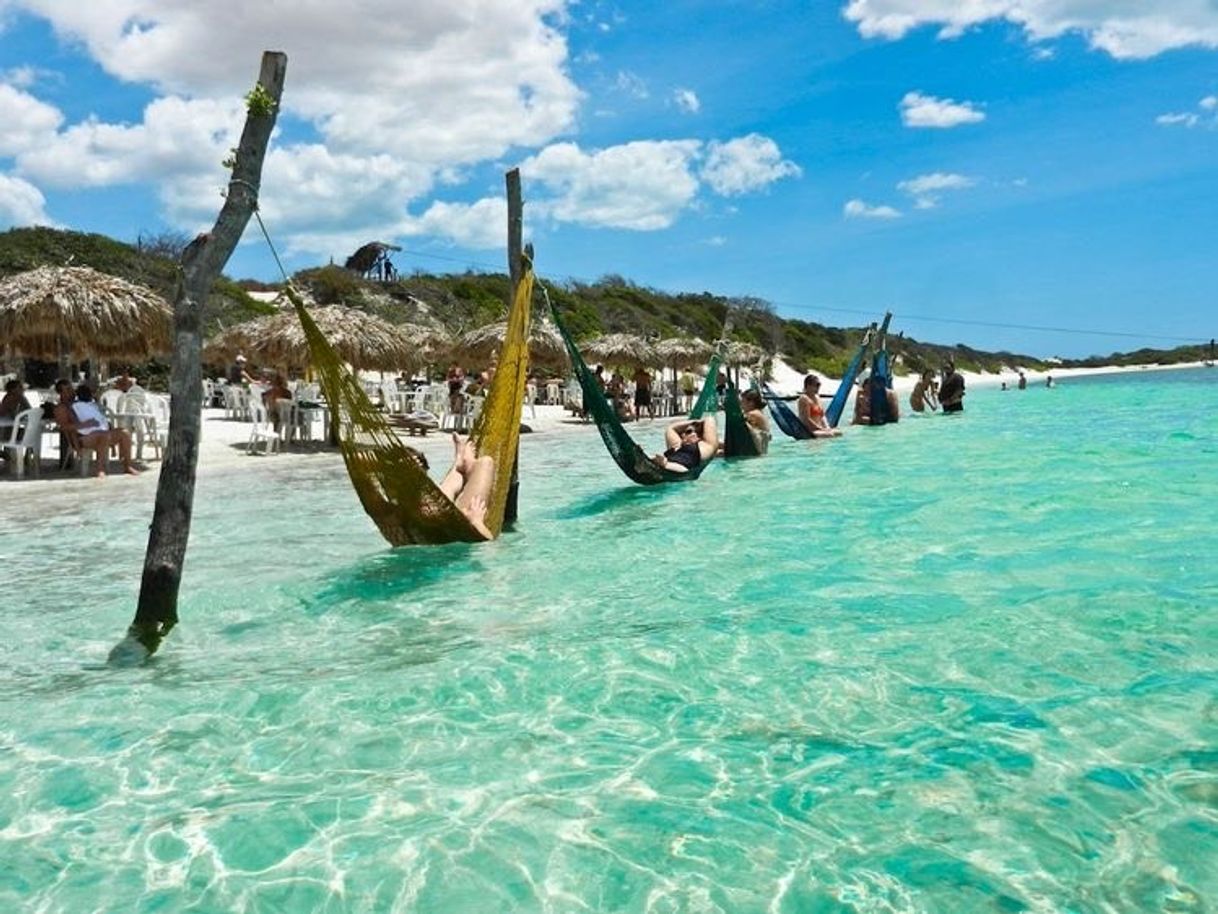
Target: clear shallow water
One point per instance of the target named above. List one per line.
(956, 665)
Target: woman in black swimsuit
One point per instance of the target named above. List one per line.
(690, 444)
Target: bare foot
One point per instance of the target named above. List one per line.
(131, 471)
(100, 474)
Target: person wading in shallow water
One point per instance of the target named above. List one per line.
(923, 394)
(951, 391)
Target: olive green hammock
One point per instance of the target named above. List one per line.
(391, 479)
(630, 458)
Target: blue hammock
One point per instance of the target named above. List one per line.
(784, 417)
(833, 415)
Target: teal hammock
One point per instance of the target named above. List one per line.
(833, 414)
(738, 440)
(630, 458)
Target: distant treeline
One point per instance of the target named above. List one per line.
(463, 301)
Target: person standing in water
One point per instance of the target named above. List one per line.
(951, 391)
(923, 394)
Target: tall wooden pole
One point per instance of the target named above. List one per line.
(515, 250)
(202, 261)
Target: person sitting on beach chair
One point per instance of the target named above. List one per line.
(469, 482)
(690, 444)
(88, 429)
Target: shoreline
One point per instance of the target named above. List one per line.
(222, 443)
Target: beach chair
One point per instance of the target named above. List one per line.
(157, 424)
(262, 430)
(25, 441)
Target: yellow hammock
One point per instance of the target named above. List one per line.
(390, 478)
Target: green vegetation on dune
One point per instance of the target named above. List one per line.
(463, 301)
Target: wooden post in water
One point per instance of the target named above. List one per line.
(201, 262)
(515, 242)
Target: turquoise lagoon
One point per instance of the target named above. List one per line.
(962, 664)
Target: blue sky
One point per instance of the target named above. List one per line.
(1046, 163)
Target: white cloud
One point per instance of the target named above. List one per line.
(918, 110)
(1121, 28)
(21, 203)
(926, 189)
(398, 105)
(176, 138)
(1185, 119)
(715, 241)
(687, 100)
(453, 81)
(641, 186)
(857, 209)
(632, 84)
(28, 123)
(482, 224)
(745, 164)
(1208, 116)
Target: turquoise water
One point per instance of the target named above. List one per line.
(963, 664)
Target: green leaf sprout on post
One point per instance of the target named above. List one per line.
(230, 160)
(258, 102)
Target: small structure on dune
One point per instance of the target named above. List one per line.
(372, 261)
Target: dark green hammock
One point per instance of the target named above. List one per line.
(631, 458)
(738, 440)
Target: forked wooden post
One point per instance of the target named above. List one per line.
(202, 261)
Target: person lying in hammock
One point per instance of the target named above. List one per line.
(468, 483)
(690, 444)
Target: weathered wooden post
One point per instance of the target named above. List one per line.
(201, 262)
(515, 239)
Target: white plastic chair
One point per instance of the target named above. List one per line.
(157, 423)
(25, 440)
(553, 393)
(110, 400)
(262, 430)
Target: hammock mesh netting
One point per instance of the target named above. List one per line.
(390, 478)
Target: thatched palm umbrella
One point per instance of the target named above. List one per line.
(683, 352)
(362, 340)
(78, 312)
(546, 347)
(743, 354)
(620, 349)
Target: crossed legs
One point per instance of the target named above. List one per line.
(468, 483)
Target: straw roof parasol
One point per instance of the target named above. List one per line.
(739, 353)
(620, 348)
(362, 340)
(683, 351)
(49, 312)
(545, 344)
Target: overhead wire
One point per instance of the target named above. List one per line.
(904, 316)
